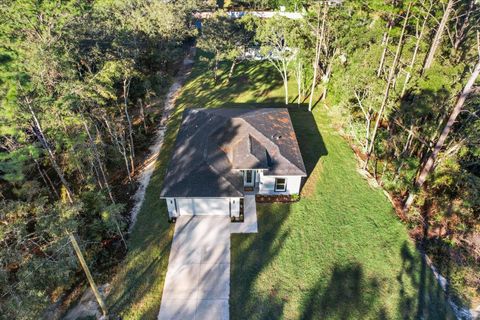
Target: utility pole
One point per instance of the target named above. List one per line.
(97, 294)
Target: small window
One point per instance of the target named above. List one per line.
(248, 178)
(280, 184)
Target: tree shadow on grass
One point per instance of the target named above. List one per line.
(309, 138)
(429, 300)
(349, 294)
(256, 79)
(250, 255)
(144, 269)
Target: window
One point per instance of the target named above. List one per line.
(248, 177)
(280, 184)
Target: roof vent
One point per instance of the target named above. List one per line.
(276, 137)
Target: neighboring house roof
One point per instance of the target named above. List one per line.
(212, 143)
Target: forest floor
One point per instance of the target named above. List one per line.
(340, 252)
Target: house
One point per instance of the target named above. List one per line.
(221, 155)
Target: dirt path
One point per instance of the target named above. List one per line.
(147, 170)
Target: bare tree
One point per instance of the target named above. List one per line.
(37, 129)
(430, 162)
(367, 113)
(386, 38)
(105, 180)
(419, 35)
(391, 75)
(120, 143)
(463, 24)
(275, 36)
(126, 89)
(438, 36)
(319, 37)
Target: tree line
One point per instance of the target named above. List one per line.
(80, 88)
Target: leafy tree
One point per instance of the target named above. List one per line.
(275, 37)
(224, 37)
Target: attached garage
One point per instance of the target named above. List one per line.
(203, 206)
(222, 153)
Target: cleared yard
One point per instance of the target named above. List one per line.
(338, 253)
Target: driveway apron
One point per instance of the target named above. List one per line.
(197, 285)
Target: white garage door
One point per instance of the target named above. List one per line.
(204, 206)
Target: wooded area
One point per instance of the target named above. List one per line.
(81, 85)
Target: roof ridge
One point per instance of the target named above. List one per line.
(272, 143)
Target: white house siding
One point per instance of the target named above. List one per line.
(267, 185)
(203, 206)
(171, 207)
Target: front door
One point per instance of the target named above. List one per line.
(249, 178)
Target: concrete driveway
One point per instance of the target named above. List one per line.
(197, 285)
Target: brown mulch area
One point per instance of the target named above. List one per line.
(271, 199)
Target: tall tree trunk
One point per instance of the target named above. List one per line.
(299, 78)
(215, 68)
(386, 38)
(438, 36)
(97, 175)
(232, 67)
(120, 146)
(105, 181)
(326, 76)
(285, 81)
(126, 89)
(142, 114)
(368, 120)
(429, 164)
(415, 52)
(387, 89)
(99, 162)
(125, 158)
(45, 179)
(319, 33)
(41, 137)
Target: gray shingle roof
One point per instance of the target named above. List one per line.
(212, 143)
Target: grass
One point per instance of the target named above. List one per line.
(338, 253)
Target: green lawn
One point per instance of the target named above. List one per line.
(338, 253)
